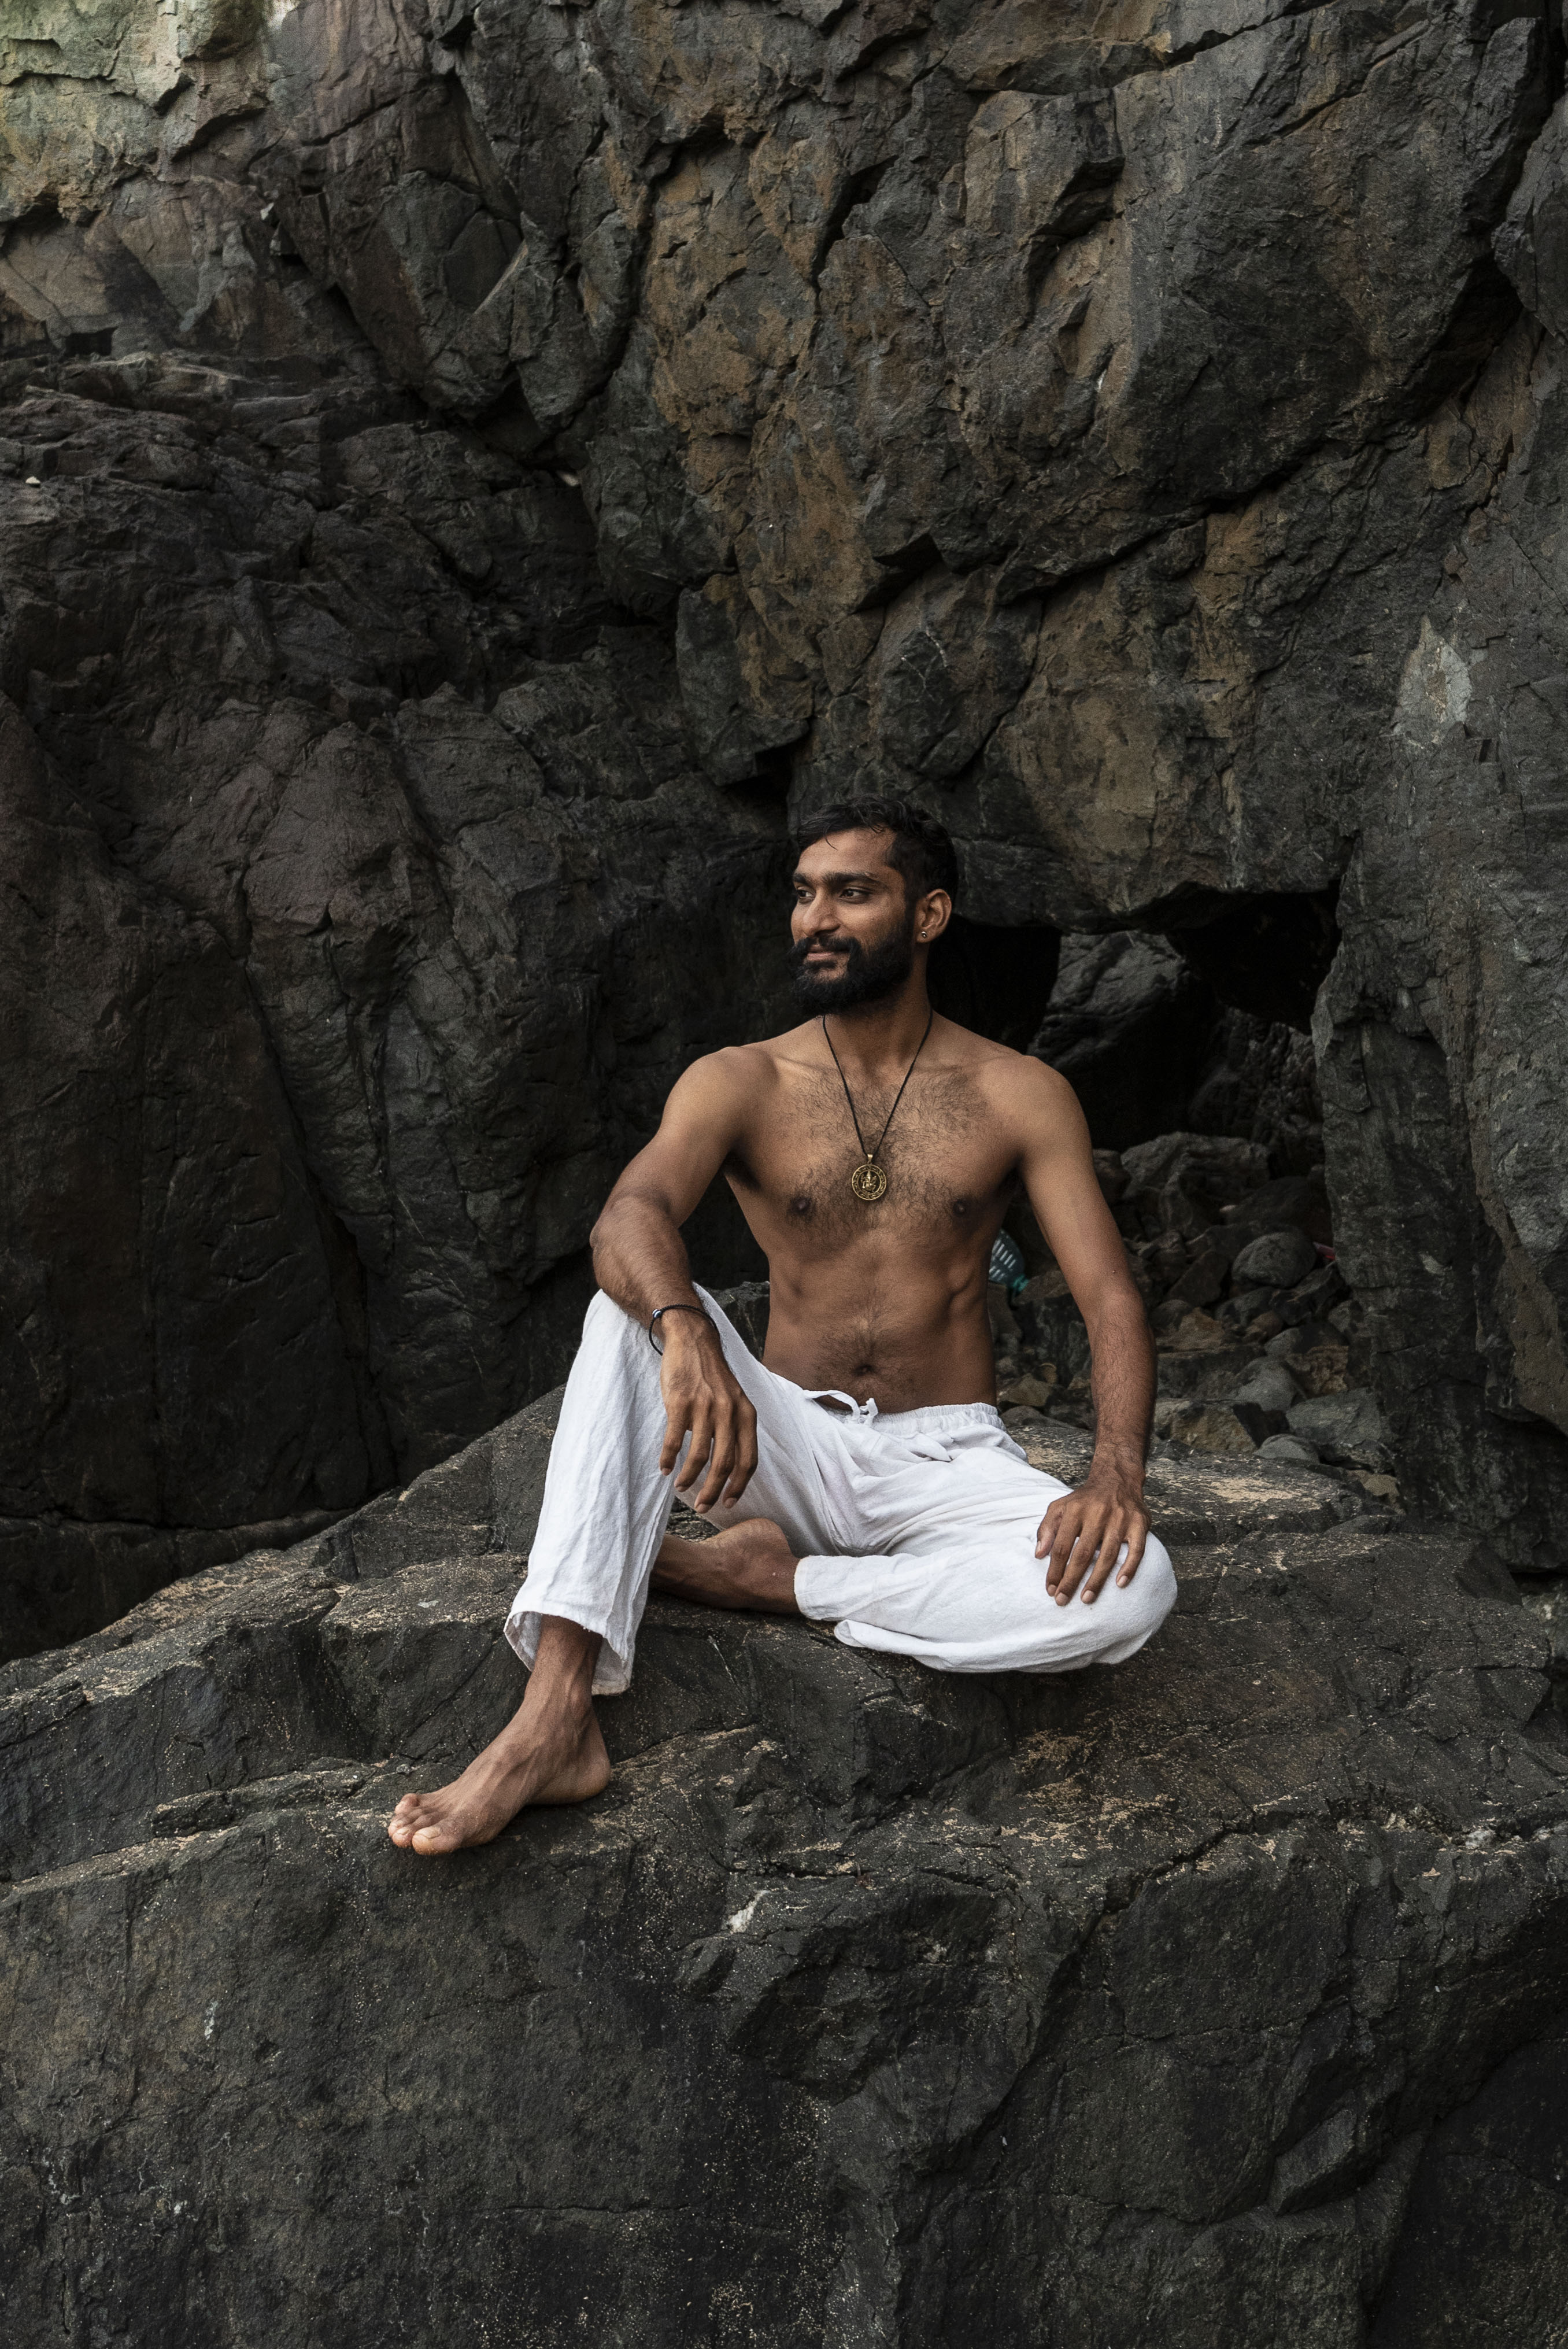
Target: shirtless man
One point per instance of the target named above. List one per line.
(860, 1473)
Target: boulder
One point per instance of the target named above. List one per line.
(1209, 1373)
(1256, 1943)
(1287, 1450)
(1321, 1370)
(1341, 1424)
(315, 1069)
(1138, 1030)
(1179, 1182)
(1185, 1328)
(1271, 1389)
(1242, 1309)
(1300, 1339)
(1217, 1426)
(1205, 1279)
(1053, 1326)
(1276, 1260)
(1294, 1203)
(1346, 1428)
(1317, 1298)
(1260, 1081)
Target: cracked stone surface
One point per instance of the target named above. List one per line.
(1217, 1998)
(466, 467)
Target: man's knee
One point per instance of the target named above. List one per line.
(1123, 1615)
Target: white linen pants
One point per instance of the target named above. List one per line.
(916, 1530)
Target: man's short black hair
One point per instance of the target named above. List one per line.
(921, 850)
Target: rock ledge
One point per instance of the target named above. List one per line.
(1221, 1998)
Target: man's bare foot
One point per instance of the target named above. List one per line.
(550, 1751)
(498, 1784)
(749, 1566)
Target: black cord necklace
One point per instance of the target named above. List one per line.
(869, 1182)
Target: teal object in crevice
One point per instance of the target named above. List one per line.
(1008, 1264)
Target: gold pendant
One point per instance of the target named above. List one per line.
(868, 1182)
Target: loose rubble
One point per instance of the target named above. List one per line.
(1258, 1335)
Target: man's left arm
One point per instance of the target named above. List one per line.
(1083, 1533)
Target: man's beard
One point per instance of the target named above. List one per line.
(869, 974)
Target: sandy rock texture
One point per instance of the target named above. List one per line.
(465, 466)
(1221, 1998)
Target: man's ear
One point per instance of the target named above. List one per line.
(931, 915)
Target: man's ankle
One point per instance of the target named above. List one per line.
(568, 1705)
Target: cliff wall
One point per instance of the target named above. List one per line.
(467, 470)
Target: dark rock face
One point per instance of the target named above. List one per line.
(337, 983)
(460, 465)
(1221, 1997)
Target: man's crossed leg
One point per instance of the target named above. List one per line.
(914, 1535)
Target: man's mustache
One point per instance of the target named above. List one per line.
(803, 947)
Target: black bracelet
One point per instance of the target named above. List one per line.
(676, 1309)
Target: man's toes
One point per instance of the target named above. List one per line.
(438, 1835)
(404, 1820)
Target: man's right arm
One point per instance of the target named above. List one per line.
(640, 1260)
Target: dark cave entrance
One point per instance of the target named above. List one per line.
(1265, 954)
(1189, 1046)
(995, 979)
(1200, 1025)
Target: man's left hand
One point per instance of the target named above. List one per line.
(1082, 1533)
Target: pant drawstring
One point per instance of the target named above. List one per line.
(863, 1415)
(862, 1411)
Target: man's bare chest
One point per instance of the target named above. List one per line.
(948, 1163)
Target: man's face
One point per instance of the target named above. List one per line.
(853, 924)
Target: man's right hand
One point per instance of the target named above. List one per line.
(703, 1399)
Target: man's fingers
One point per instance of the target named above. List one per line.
(723, 1461)
(1067, 1534)
(701, 1423)
(1059, 1515)
(1083, 1535)
(712, 1484)
(722, 1455)
(745, 1455)
(675, 1421)
(1059, 1532)
(1111, 1536)
(1081, 1558)
(1137, 1543)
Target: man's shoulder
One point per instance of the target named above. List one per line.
(1016, 1083)
(765, 1056)
(999, 1064)
(748, 1068)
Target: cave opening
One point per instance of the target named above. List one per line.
(1189, 1047)
(1265, 954)
(1201, 1025)
(995, 978)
